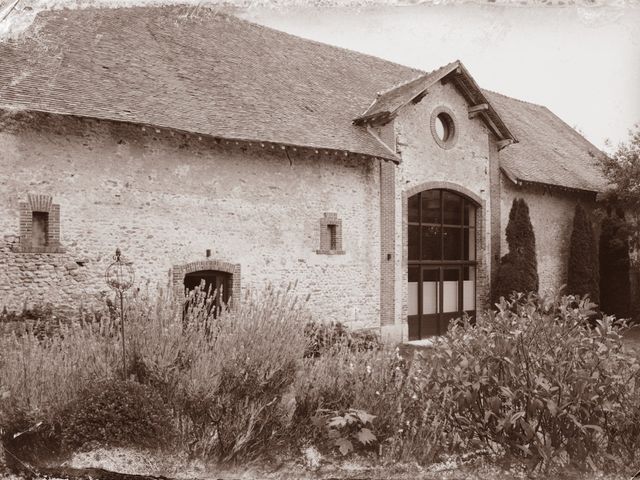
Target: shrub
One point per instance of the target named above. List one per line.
(537, 380)
(225, 374)
(583, 275)
(116, 413)
(615, 288)
(27, 439)
(322, 337)
(518, 270)
(41, 375)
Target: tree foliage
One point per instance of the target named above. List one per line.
(622, 169)
(518, 271)
(583, 274)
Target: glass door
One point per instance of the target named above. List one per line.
(441, 261)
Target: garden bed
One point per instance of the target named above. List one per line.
(247, 393)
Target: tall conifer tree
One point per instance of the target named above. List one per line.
(583, 274)
(518, 271)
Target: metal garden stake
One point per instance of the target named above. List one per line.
(119, 276)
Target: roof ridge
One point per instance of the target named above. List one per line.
(402, 84)
(424, 74)
(217, 10)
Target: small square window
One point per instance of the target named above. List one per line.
(40, 229)
(333, 237)
(330, 235)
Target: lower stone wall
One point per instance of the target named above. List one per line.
(34, 279)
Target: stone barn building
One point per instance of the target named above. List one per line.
(208, 147)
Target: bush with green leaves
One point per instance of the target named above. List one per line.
(536, 379)
(116, 413)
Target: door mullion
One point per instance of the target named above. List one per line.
(460, 287)
(440, 297)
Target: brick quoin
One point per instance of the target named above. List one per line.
(387, 243)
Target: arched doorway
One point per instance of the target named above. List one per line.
(442, 260)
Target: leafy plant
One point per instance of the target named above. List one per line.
(346, 430)
(538, 381)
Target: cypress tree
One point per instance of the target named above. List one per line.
(518, 270)
(615, 287)
(583, 275)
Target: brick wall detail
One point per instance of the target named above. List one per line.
(387, 241)
(496, 209)
(42, 204)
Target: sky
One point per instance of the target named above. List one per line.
(582, 62)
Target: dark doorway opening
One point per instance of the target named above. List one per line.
(210, 283)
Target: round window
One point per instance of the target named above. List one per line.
(443, 127)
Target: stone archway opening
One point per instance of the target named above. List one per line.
(212, 276)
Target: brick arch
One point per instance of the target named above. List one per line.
(482, 271)
(179, 272)
(440, 185)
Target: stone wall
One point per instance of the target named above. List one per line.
(165, 198)
(551, 211)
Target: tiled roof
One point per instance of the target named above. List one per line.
(549, 151)
(205, 73)
(217, 75)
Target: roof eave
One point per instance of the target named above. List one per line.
(522, 182)
(271, 144)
